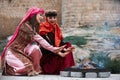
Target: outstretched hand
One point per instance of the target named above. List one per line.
(59, 49)
(67, 51)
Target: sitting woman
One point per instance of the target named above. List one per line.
(50, 30)
(22, 54)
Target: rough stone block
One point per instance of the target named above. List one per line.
(76, 74)
(65, 73)
(91, 75)
(104, 74)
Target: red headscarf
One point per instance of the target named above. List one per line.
(46, 27)
(31, 12)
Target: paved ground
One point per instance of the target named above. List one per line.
(56, 77)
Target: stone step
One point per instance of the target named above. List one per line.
(56, 77)
(85, 74)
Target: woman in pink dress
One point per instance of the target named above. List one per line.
(22, 54)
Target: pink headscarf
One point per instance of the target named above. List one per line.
(31, 12)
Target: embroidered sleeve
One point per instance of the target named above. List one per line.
(44, 43)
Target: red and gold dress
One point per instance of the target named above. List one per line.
(52, 63)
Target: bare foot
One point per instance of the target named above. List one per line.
(32, 73)
(39, 71)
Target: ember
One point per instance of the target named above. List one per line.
(88, 64)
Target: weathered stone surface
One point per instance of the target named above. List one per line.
(76, 74)
(74, 13)
(89, 12)
(91, 75)
(12, 11)
(65, 73)
(56, 77)
(104, 74)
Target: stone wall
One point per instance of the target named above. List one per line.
(71, 13)
(76, 13)
(12, 11)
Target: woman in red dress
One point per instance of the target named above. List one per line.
(50, 30)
